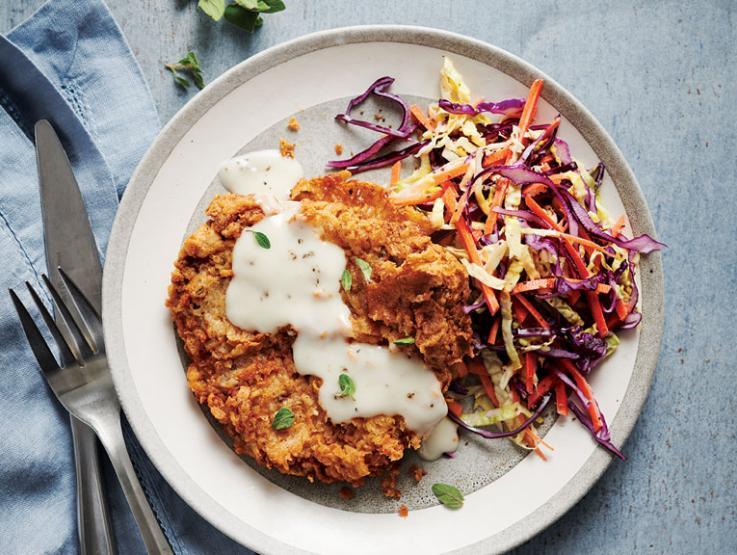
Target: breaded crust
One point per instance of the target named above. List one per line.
(416, 289)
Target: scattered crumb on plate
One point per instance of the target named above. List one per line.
(339, 149)
(403, 511)
(286, 149)
(417, 472)
(293, 124)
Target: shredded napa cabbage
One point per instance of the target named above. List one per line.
(436, 215)
(565, 310)
(476, 271)
(505, 301)
(492, 255)
(452, 85)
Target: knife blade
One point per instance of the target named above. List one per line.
(69, 243)
(68, 236)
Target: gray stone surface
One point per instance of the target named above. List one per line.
(660, 76)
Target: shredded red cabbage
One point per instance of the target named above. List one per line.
(509, 107)
(496, 435)
(364, 160)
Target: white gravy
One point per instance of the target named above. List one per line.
(265, 174)
(297, 282)
(443, 439)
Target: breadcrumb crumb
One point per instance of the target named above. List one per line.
(403, 511)
(339, 149)
(389, 483)
(417, 472)
(286, 149)
(346, 493)
(293, 124)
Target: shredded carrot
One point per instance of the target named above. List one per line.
(396, 169)
(587, 243)
(469, 243)
(449, 198)
(528, 113)
(520, 314)
(420, 116)
(416, 198)
(558, 178)
(543, 387)
(465, 194)
(536, 209)
(530, 372)
(592, 297)
(490, 224)
(561, 399)
(534, 284)
(585, 388)
(621, 309)
(529, 435)
(498, 156)
(493, 331)
(618, 226)
(540, 440)
(532, 310)
(454, 407)
(450, 173)
(534, 189)
(598, 313)
(577, 261)
(573, 297)
(489, 389)
(601, 288)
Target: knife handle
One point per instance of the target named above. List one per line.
(93, 519)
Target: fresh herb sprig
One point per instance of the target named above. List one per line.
(187, 66)
(347, 386)
(448, 495)
(245, 14)
(405, 341)
(283, 419)
(365, 268)
(346, 280)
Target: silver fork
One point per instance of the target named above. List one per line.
(83, 385)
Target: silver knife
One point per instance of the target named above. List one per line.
(70, 243)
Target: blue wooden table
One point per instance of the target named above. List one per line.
(661, 77)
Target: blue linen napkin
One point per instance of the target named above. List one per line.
(68, 63)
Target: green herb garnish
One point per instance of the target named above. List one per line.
(347, 386)
(365, 268)
(405, 341)
(245, 14)
(188, 65)
(213, 8)
(448, 495)
(346, 280)
(283, 419)
(262, 240)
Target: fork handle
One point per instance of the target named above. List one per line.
(93, 519)
(111, 437)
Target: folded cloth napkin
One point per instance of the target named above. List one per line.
(68, 63)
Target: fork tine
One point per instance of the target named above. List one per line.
(40, 349)
(67, 357)
(84, 344)
(89, 314)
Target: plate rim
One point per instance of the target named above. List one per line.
(651, 273)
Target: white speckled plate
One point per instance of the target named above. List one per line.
(509, 497)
